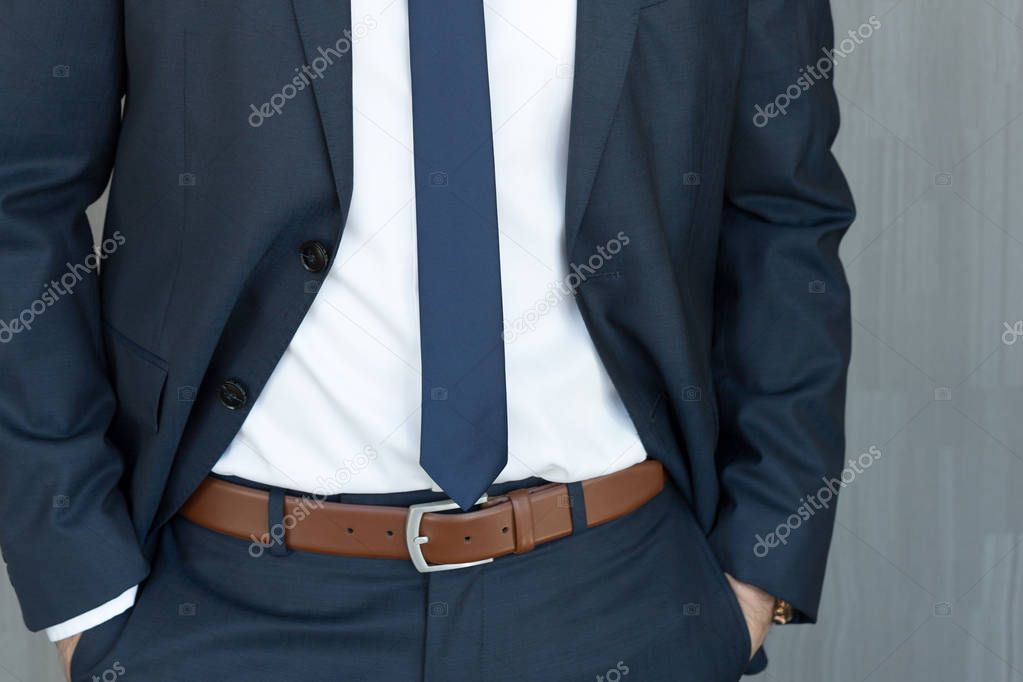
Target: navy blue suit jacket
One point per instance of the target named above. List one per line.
(724, 324)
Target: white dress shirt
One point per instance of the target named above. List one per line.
(341, 412)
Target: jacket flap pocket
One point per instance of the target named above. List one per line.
(139, 378)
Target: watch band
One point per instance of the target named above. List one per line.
(782, 612)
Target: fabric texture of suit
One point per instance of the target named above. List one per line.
(724, 321)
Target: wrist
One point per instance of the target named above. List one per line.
(67, 642)
(756, 603)
(66, 650)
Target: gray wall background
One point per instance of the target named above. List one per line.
(925, 581)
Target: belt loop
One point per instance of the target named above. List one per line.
(577, 504)
(275, 523)
(522, 514)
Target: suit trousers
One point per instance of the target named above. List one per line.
(641, 598)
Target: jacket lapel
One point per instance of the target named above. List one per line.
(325, 27)
(604, 36)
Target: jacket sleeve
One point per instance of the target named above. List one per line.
(782, 319)
(65, 530)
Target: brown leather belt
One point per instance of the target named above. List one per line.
(512, 523)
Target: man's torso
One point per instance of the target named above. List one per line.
(341, 412)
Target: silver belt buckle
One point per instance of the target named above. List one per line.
(414, 541)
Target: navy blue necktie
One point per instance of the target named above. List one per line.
(465, 409)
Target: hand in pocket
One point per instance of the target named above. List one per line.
(66, 650)
(758, 609)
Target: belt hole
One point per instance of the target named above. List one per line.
(505, 529)
(351, 531)
(390, 533)
(468, 539)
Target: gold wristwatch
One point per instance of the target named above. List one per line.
(782, 612)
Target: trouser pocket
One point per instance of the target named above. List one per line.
(212, 610)
(93, 648)
(639, 598)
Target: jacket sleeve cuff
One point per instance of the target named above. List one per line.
(96, 616)
(79, 556)
(782, 553)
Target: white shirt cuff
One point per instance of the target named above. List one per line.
(96, 616)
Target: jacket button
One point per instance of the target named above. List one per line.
(233, 395)
(314, 256)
